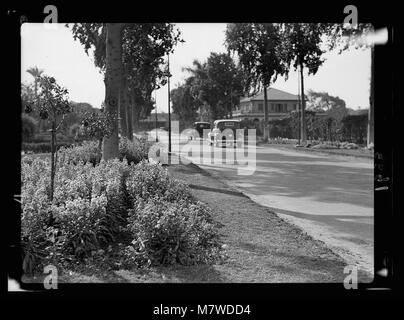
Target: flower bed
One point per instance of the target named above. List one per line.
(149, 217)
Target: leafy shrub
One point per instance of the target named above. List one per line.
(78, 224)
(87, 152)
(88, 210)
(74, 131)
(134, 151)
(41, 147)
(94, 207)
(148, 180)
(110, 177)
(28, 125)
(172, 232)
(35, 213)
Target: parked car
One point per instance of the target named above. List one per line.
(218, 137)
(199, 127)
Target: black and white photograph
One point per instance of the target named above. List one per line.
(200, 153)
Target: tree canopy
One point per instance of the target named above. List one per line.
(216, 83)
(259, 52)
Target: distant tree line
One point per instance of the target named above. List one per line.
(210, 92)
(327, 118)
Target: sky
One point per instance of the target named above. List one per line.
(53, 49)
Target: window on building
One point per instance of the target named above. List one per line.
(260, 107)
(272, 107)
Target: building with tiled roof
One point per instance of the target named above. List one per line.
(280, 103)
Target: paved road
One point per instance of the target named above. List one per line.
(329, 196)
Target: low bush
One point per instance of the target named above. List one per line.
(28, 125)
(134, 151)
(41, 147)
(46, 137)
(153, 216)
(87, 152)
(148, 180)
(88, 210)
(172, 232)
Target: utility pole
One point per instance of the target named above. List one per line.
(298, 107)
(266, 129)
(370, 133)
(169, 111)
(155, 102)
(303, 115)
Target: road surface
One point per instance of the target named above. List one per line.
(329, 196)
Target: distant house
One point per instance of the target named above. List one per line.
(280, 103)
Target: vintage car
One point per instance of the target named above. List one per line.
(219, 136)
(199, 127)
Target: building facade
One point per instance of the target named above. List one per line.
(280, 103)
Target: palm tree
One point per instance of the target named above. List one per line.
(36, 73)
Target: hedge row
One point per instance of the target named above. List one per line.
(41, 147)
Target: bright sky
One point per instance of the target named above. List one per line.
(53, 49)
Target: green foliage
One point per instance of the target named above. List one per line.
(149, 180)
(53, 98)
(137, 209)
(42, 147)
(301, 44)
(342, 37)
(334, 107)
(97, 125)
(318, 127)
(172, 232)
(87, 152)
(354, 128)
(88, 210)
(79, 111)
(216, 83)
(184, 104)
(144, 46)
(28, 125)
(28, 95)
(133, 151)
(261, 56)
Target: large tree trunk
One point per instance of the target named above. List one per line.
(266, 128)
(53, 164)
(370, 133)
(134, 113)
(303, 113)
(122, 109)
(112, 84)
(129, 116)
